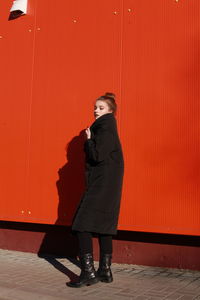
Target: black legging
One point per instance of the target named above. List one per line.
(85, 243)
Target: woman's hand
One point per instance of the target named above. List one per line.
(88, 133)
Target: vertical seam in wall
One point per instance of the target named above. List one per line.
(30, 106)
(121, 59)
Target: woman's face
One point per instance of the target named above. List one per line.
(101, 108)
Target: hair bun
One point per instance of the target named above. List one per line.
(110, 95)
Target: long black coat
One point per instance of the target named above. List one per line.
(99, 207)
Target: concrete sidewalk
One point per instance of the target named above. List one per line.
(25, 276)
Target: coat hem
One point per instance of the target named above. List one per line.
(95, 231)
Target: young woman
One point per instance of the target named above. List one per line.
(99, 207)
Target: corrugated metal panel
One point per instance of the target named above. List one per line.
(16, 67)
(55, 61)
(160, 116)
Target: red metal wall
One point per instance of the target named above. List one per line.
(61, 56)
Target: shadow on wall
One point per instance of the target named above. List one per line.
(70, 186)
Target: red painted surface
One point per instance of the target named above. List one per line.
(55, 61)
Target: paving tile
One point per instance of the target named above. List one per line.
(174, 296)
(187, 297)
(124, 296)
(142, 298)
(27, 276)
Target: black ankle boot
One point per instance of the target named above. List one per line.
(88, 273)
(104, 272)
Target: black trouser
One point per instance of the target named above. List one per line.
(85, 243)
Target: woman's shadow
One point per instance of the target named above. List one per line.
(59, 242)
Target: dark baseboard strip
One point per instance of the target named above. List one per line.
(136, 236)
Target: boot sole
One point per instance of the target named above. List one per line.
(87, 283)
(92, 281)
(106, 280)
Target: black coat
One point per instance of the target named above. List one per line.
(99, 207)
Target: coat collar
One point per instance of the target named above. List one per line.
(103, 119)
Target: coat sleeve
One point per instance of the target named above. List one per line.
(100, 147)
